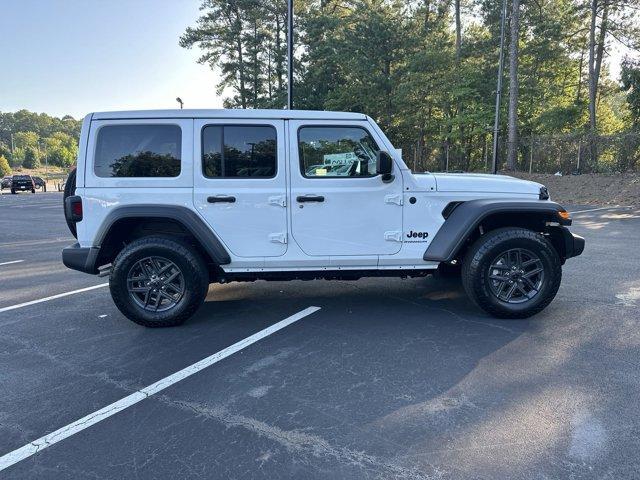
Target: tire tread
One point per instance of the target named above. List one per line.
(198, 273)
(472, 279)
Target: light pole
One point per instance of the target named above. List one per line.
(496, 124)
(179, 100)
(290, 54)
(42, 147)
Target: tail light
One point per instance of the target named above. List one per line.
(73, 208)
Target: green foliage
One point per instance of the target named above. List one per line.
(40, 123)
(38, 138)
(246, 41)
(397, 61)
(25, 139)
(5, 169)
(631, 85)
(61, 156)
(5, 151)
(61, 149)
(31, 158)
(17, 157)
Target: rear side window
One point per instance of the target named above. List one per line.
(238, 151)
(138, 151)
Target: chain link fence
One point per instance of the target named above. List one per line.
(566, 154)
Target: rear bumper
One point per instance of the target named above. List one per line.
(80, 258)
(573, 244)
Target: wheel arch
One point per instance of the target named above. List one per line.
(466, 221)
(128, 223)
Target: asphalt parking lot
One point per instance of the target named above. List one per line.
(390, 378)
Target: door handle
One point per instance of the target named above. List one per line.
(310, 198)
(221, 199)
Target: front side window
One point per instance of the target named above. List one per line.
(238, 151)
(336, 152)
(138, 151)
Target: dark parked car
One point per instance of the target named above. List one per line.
(40, 183)
(6, 182)
(22, 183)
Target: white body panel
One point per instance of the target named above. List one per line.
(356, 212)
(255, 225)
(364, 223)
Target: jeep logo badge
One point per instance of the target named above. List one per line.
(413, 234)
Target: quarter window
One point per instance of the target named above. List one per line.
(238, 151)
(138, 151)
(336, 152)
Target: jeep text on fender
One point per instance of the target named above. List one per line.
(167, 202)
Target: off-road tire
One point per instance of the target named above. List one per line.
(69, 190)
(185, 257)
(477, 262)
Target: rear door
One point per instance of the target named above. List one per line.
(240, 184)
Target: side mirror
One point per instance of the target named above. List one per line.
(384, 165)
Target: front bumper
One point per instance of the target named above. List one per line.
(573, 244)
(79, 258)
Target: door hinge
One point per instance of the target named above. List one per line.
(280, 200)
(278, 237)
(396, 198)
(393, 236)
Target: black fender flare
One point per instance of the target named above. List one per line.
(467, 216)
(189, 219)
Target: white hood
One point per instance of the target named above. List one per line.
(485, 183)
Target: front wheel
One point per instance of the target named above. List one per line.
(512, 272)
(158, 282)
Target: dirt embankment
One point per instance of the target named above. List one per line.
(590, 189)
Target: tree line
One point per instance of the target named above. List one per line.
(426, 70)
(28, 140)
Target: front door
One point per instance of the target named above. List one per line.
(339, 205)
(240, 184)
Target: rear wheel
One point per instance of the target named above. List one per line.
(512, 272)
(158, 282)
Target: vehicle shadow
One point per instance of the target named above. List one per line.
(379, 370)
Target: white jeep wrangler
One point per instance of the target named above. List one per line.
(167, 202)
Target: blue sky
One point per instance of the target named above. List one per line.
(78, 56)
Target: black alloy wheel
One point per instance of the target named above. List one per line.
(156, 284)
(516, 276)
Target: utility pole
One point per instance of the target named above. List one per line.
(46, 163)
(290, 54)
(496, 124)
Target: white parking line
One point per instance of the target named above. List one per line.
(41, 443)
(53, 297)
(12, 262)
(597, 209)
